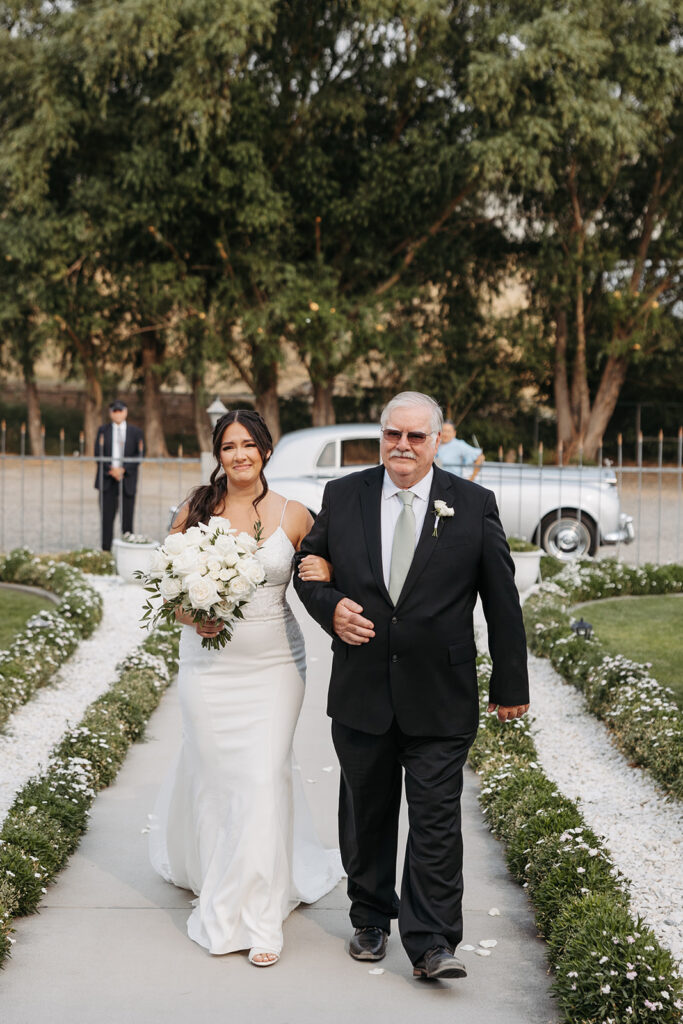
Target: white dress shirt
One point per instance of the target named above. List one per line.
(391, 510)
(118, 443)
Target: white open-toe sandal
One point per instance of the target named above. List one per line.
(257, 951)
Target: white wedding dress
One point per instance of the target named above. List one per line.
(231, 822)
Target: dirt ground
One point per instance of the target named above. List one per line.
(51, 505)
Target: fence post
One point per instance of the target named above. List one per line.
(42, 487)
(639, 463)
(680, 484)
(3, 449)
(22, 454)
(61, 488)
(537, 539)
(620, 477)
(660, 453)
(81, 452)
(520, 453)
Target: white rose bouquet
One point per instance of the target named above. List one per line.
(210, 572)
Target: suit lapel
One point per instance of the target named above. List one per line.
(441, 489)
(371, 515)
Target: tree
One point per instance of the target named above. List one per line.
(584, 107)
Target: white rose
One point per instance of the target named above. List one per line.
(246, 541)
(201, 591)
(226, 549)
(218, 523)
(224, 609)
(213, 564)
(187, 561)
(158, 563)
(226, 575)
(170, 588)
(240, 588)
(252, 569)
(442, 509)
(194, 535)
(175, 543)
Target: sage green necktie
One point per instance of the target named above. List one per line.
(403, 548)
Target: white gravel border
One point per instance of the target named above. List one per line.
(34, 729)
(643, 831)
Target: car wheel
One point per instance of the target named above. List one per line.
(566, 535)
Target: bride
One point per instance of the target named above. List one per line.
(231, 822)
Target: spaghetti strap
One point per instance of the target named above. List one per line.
(284, 508)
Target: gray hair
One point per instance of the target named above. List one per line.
(417, 400)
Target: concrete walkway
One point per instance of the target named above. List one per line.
(109, 944)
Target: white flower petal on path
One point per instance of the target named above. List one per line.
(376, 970)
(488, 943)
(642, 829)
(494, 912)
(468, 948)
(483, 952)
(34, 729)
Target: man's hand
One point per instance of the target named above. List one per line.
(117, 472)
(509, 714)
(349, 624)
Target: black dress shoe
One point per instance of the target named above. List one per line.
(439, 963)
(369, 943)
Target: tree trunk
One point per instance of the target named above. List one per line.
(611, 383)
(155, 441)
(202, 426)
(580, 397)
(561, 382)
(265, 398)
(34, 424)
(323, 409)
(92, 414)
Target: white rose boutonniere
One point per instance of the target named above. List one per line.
(441, 510)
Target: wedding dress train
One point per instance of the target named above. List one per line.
(232, 823)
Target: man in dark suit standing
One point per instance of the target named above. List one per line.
(411, 547)
(116, 477)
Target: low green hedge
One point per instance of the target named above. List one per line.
(609, 966)
(50, 813)
(50, 636)
(642, 715)
(99, 563)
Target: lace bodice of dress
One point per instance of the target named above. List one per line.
(276, 555)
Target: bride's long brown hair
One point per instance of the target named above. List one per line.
(207, 498)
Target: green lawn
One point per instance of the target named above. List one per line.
(643, 629)
(15, 609)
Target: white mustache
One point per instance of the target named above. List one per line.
(403, 455)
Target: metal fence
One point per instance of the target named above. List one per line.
(49, 502)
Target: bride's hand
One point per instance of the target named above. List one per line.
(314, 569)
(210, 628)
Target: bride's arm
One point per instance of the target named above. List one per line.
(312, 568)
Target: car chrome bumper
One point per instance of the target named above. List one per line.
(624, 535)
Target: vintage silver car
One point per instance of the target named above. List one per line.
(568, 511)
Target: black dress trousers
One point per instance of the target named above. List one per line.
(430, 908)
(112, 497)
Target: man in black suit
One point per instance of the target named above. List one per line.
(403, 689)
(116, 477)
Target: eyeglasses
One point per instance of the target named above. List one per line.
(414, 437)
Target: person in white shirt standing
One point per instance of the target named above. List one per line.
(116, 478)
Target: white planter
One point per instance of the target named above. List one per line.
(130, 557)
(527, 567)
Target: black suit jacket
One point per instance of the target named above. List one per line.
(420, 666)
(133, 448)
